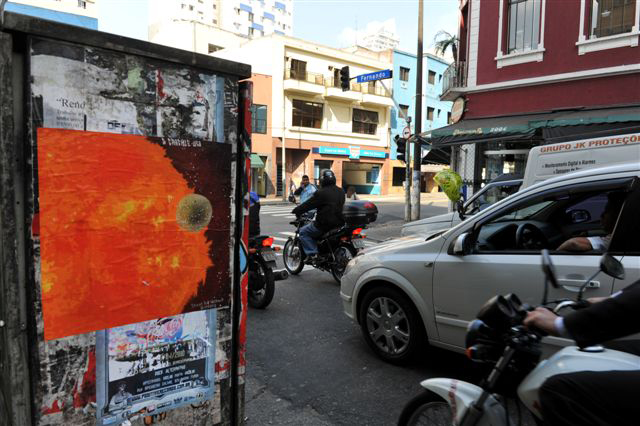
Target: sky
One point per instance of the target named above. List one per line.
(335, 23)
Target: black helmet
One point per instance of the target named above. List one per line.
(327, 178)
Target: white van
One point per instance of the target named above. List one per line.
(547, 161)
(544, 162)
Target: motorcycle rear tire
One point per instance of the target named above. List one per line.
(289, 263)
(260, 299)
(426, 409)
(337, 271)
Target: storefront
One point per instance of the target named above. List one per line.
(483, 149)
(364, 169)
(258, 175)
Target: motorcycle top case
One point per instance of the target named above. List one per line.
(359, 212)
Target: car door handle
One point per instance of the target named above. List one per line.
(574, 285)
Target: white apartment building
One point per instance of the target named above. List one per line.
(322, 126)
(380, 40)
(246, 18)
(82, 13)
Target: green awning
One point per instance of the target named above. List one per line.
(530, 126)
(256, 162)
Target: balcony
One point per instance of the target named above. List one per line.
(301, 81)
(333, 90)
(373, 94)
(454, 81)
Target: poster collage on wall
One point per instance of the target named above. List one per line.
(132, 228)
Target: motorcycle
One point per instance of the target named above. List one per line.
(262, 273)
(497, 338)
(335, 249)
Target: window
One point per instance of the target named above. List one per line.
(432, 77)
(251, 31)
(190, 7)
(82, 4)
(398, 176)
(298, 69)
(307, 114)
(438, 115)
(610, 17)
(439, 78)
(547, 221)
(523, 25)
(336, 78)
(448, 117)
(404, 109)
(250, 15)
(404, 74)
(365, 122)
(259, 118)
(430, 113)
(373, 175)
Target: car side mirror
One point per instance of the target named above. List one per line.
(462, 244)
(580, 216)
(460, 209)
(612, 266)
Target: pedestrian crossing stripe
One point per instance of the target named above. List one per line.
(291, 234)
(280, 239)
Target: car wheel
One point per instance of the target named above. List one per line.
(293, 256)
(391, 325)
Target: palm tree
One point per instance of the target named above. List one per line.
(443, 41)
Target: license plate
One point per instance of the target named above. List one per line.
(268, 255)
(358, 243)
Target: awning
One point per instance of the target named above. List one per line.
(438, 156)
(527, 127)
(256, 162)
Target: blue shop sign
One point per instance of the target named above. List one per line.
(354, 152)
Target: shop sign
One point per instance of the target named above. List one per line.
(354, 152)
(457, 109)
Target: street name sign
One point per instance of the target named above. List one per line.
(373, 76)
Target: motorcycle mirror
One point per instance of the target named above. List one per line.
(612, 266)
(548, 268)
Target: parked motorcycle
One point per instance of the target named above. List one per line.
(336, 247)
(262, 273)
(497, 337)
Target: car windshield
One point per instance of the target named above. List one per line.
(489, 195)
(525, 213)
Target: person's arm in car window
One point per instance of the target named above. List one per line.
(576, 244)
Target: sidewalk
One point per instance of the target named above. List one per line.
(436, 197)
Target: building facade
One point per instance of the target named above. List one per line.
(321, 126)
(536, 72)
(435, 112)
(245, 18)
(81, 13)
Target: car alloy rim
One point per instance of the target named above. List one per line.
(292, 255)
(388, 325)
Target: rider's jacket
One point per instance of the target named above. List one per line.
(617, 316)
(329, 201)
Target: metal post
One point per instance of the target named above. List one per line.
(407, 184)
(417, 153)
(284, 131)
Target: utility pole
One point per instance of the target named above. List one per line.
(417, 149)
(407, 184)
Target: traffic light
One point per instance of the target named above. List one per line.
(344, 78)
(401, 148)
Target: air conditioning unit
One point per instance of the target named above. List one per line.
(404, 85)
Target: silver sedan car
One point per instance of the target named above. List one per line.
(417, 290)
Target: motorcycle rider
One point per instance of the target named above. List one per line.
(594, 397)
(328, 200)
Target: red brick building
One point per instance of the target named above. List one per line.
(532, 72)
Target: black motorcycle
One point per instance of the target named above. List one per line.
(262, 273)
(336, 247)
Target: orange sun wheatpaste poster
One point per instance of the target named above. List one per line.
(132, 228)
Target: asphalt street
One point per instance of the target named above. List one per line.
(307, 363)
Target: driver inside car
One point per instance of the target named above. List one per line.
(608, 221)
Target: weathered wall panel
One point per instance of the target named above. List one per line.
(92, 89)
